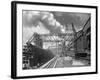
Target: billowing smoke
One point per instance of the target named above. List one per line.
(50, 22)
(33, 18)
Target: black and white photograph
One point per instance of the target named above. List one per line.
(56, 39)
(53, 39)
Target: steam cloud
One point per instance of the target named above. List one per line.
(54, 22)
(33, 18)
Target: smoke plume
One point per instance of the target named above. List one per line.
(33, 18)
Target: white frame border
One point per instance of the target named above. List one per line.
(37, 72)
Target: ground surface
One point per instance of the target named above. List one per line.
(61, 62)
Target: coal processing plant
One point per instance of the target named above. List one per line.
(66, 46)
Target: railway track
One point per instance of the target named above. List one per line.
(61, 62)
(58, 62)
(50, 64)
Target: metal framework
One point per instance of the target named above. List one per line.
(61, 38)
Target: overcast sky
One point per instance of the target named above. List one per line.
(50, 22)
